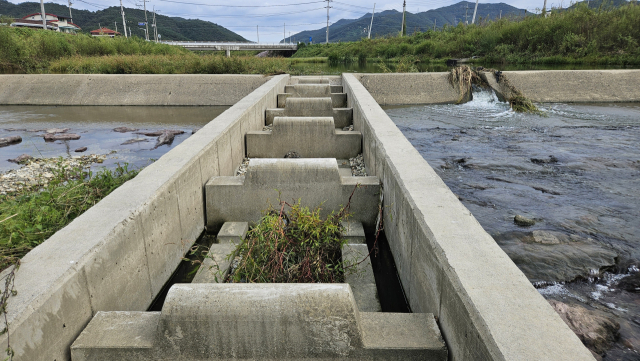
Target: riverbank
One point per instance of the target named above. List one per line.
(577, 36)
(45, 195)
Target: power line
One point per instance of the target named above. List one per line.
(240, 6)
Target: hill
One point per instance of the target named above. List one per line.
(389, 22)
(170, 28)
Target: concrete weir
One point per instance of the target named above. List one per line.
(83, 293)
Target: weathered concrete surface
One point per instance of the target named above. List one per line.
(323, 79)
(260, 322)
(333, 88)
(354, 232)
(338, 100)
(577, 86)
(448, 264)
(409, 88)
(310, 137)
(100, 89)
(342, 117)
(215, 267)
(119, 254)
(315, 181)
(362, 280)
(233, 232)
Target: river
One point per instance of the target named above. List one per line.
(575, 171)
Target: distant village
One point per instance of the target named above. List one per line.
(59, 23)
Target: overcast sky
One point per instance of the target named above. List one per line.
(243, 16)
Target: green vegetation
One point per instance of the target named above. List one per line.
(171, 28)
(291, 247)
(581, 35)
(31, 216)
(29, 50)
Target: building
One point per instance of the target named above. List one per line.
(105, 32)
(54, 22)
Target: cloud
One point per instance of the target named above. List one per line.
(272, 19)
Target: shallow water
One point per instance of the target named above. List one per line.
(95, 125)
(576, 171)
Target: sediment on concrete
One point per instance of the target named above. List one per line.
(543, 86)
(118, 255)
(448, 264)
(100, 89)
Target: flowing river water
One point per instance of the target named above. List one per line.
(575, 171)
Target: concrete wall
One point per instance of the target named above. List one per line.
(577, 86)
(80, 89)
(553, 86)
(119, 254)
(448, 264)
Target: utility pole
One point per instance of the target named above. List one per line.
(328, 7)
(500, 14)
(44, 16)
(289, 37)
(70, 16)
(155, 26)
(403, 32)
(370, 26)
(466, 16)
(124, 24)
(473, 21)
(434, 24)
(116, 24)
(258, 33)
(284, 33)
(146, 22)
(544, 8)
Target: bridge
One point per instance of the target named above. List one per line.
(229, 46)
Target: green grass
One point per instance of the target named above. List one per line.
(577, 36)
(293, 247)
(31, 216)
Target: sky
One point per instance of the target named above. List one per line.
(276, 18)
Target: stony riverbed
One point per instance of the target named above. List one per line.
(574, 173)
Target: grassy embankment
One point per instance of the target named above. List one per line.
(577, 36)
(35, 51)
(32, 215)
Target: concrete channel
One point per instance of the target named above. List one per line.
(106, 267)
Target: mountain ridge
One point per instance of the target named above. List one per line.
(170, 28)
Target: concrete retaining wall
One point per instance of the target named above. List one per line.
(79, 89)
(577, 86)
(552, 86)
(448, 264)
(119, 254)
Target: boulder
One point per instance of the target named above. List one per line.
(49, 137)
(15, 139)
(124, 129)
(551, 256)
(630, 283)
(523, 221)
(57, 130)
(595, 329)
(21, 158)
(81, 149)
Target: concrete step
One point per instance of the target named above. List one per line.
(361, 279)
(325, 79)
(338, 100)
(310, 137)
(215, 266)
(334, 88)
(259, 321)
(342, 117)
(316, 181)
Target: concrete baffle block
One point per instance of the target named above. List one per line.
(310, 137)
(334, 88)
(259, 321)
(308, 90)
(361, 279)
(342, 117)
(233, 232)
(338, 100)
(354, 232)
(316, 182)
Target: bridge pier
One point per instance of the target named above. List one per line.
(228, 52)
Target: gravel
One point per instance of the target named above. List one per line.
(357, 166)
(268, 127)
(37, 172)
(242, 169)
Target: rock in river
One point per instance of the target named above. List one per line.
(60, 136)
(21, 158)
(596, 330)
(551, 256)
(81, 149)
(523, 221)
(124, 129)
(158, 133)
(165, 138)
(15, 139)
